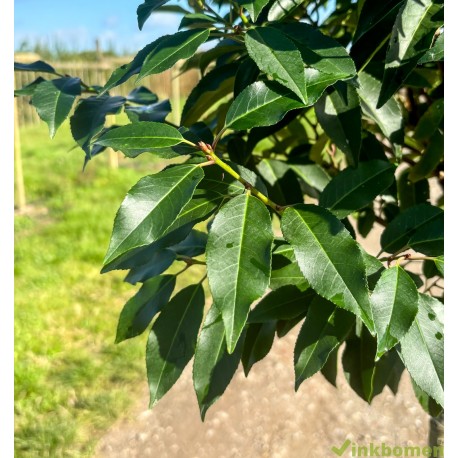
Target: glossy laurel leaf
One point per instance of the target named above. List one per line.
(150, 207)
(172, 340)
(321, 244)
(238, 261)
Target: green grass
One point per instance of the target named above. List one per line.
(71, 381)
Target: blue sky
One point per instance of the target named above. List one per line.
(77, 23)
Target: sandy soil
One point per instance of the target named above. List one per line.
(262, 416)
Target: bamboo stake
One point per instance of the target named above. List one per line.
(18, 171)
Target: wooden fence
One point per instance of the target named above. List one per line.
(164, 84)
(167, 85)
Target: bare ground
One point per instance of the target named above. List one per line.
(262, 417)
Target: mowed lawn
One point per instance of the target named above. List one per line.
(71, 380)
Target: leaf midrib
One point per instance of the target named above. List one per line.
(174, 337)
(315, 345)
(161, 47)
(332, 264)
(165, 196)
(360, 184)
(268, 49)
(414, 229)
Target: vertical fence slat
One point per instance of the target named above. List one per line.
(18, 172)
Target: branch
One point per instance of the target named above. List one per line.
(211, 156)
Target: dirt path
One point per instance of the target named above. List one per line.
(263, 417)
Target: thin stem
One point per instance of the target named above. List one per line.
(244, 18)
(407, 257)
(221, 19)
(381, 221)
(373, 54)
(218, 138)
(205, 164)
(208, 150)
(186, 267)
(189, 143)
(190, 261)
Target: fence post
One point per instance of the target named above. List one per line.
(176, 96)
(18, 172)
(113, 158)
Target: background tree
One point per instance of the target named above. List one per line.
(302, 132)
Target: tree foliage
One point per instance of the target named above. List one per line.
(312, 125)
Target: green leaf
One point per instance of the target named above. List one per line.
(373, 31)
(276, 55)
(353, 189)
(285, 326)
(329, 369)
(215, 85)
(282, 8)
(319, 51)
(193, 245)
(312, 174)
(150, 207)
(213, 367)
(374, 14)
(430, 406)
(366, 376)
(172, 340)
(141, 308)
(288, 275)
(394, 307)
(429, 160)
(282, 183)
(397, 234)
(247, 73)
(29, 89)
(439, 261)
(142, 96)
(254, 7)
(210, 194)
(140, 136)
(429, 239)
(196, 20)
(169, 51)
(365, 221)
(411, 193)
(54, 100)
(285, 303)
(324, 329)
(422, 348)
(430, 121)
(156, 112)
(238, 260)
(261, 104)
(435, 53)
(123, 73)
(37, 66)
(257, 344)
(321, 245)
(388, 117)
(146, 8)
(89, 117)
(413, 31)
(141, 257)
(339, 114)
(159, 261)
